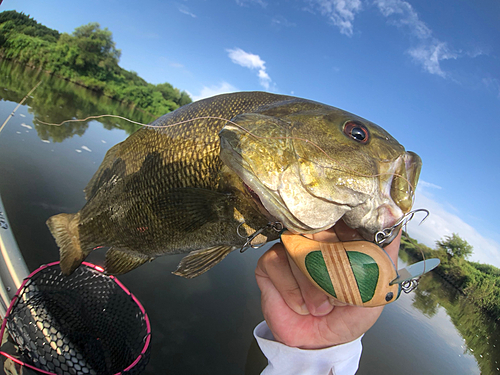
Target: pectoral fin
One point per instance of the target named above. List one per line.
(200, 261)
(121, 261)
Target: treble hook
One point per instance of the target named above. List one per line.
(277, 226)
(386, 234)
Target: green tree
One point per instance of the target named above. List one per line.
(87, 57)
(96, 53)
(22, 23)
(92, 39)
(184, 99)
(172, 94)
(455, 246)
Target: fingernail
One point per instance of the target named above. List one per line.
(332, 300)
(336, 302)
(323, 309)
(302, 310)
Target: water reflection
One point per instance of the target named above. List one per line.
(480, 333)
(454, 332)
(57, 100)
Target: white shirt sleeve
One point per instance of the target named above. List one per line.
(284, 360)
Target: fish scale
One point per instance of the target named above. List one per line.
(189, 182)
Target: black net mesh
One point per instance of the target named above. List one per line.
(79, 324)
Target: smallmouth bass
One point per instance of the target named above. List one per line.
(198, 178)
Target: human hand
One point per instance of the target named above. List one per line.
(299, 314)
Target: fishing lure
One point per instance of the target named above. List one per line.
(358, 273)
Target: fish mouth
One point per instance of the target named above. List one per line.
(397, 181)
(404, 180)
(255, 197)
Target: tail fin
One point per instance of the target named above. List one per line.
(64, 228)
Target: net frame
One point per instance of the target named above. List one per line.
(139, 363)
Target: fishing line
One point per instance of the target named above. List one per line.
(410, 285)
(347, 169)
(91, 117)
(20, 104)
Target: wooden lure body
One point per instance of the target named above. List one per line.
(355, 272)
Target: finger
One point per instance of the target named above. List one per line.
(275, 267)
(317, 302)
(349, 322)
(274, 307)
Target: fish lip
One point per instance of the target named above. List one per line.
(394, 165)
(401, 187)
(391, 212)
(269, 199)
(385, 211)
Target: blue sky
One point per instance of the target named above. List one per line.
(426, 71)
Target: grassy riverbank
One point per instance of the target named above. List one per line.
(87, 57)
(479, 282)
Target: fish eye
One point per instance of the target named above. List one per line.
(356, 131)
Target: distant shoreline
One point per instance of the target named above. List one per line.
(88, 57)
(99, 92)
(457, 283)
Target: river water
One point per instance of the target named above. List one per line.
(203, 325)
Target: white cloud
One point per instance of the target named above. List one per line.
(264, 78)
(442, 223)
(430, 55)
(245, 59)
(207, 92)
(185, 10)
(405, 15)
(340, 12)
(430, 51)
(242, 3)
(426, 184)
(251, 61)
(492, 84)
(280, 21)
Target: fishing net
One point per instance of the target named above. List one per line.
(85, 323)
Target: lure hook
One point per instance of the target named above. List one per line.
(386, 234)
(276, 226)
(409, 285)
